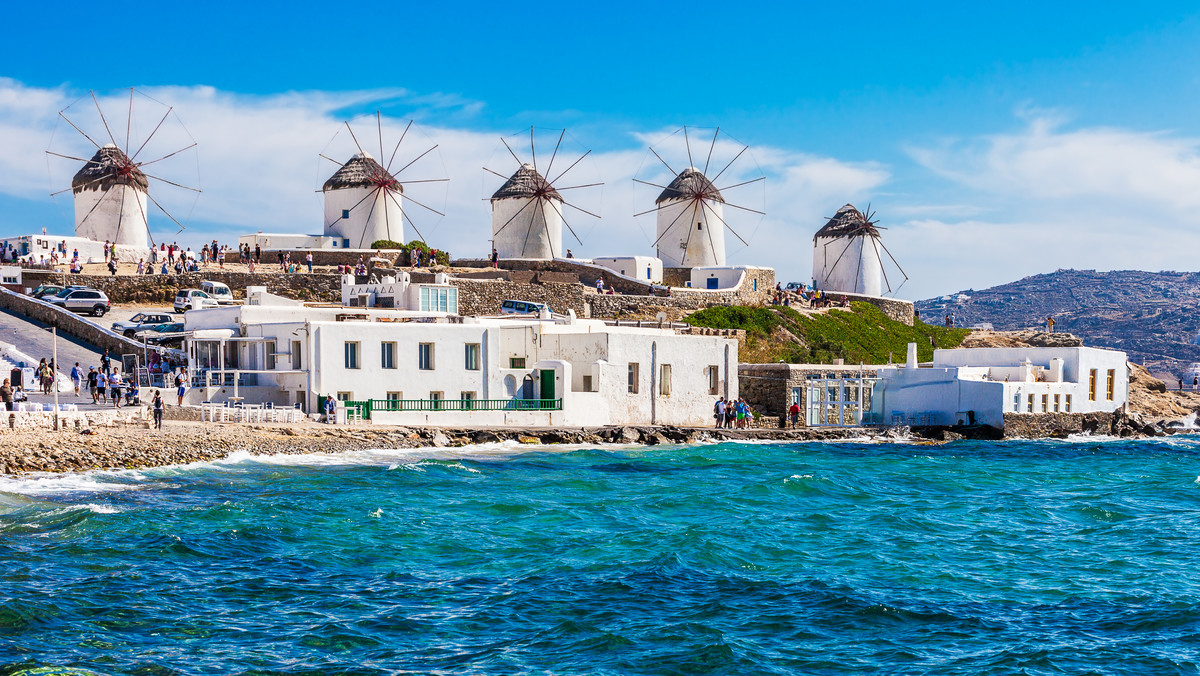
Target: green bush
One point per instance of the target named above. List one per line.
(386, 244)
(860, 334)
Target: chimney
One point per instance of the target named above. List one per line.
(911, 361)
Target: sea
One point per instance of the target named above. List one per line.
(1077, 556)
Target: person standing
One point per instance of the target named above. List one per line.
(105, 362)
(91, 383)
(102, 386)
(330, 410)
(719, 412)
(181, 384)
(794, 414)
(257, 253)
(158, 406)
(308, 261)
(495, 259)
(76, 376)
(6, 395)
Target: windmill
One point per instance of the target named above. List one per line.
(528, 211)
(364, 199)
(691, 208)
(112, 189)
(847, 254)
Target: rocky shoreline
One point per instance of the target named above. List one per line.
(131, 446)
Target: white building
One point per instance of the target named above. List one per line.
(979, 385)
(847, 255)
(363, 203)
(722, 277)
(282, 241)
(431, 368)
(400, 293)
(527, 218)
(110, 201)
(690, 230)
(643, 268)
(41, 247)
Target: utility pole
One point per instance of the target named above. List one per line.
(54, 375)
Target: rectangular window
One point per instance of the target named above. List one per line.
(1068, 404)
(387, 355)
(664, 380)
(1017, 402)
(438, 299)
(1056, 403)
(345, 213)
(465, 399)
(1045, 403)
(395, 396)
(1112, 384)
(471, 357)
(425, 356)
(1031, 403)
(436, 398)
(296, 366)
(351, 353)
(269, 358)
(1092, 385)
(587, 383)
(516, 362)
(345, 396)
(633, 378)
(714, 380)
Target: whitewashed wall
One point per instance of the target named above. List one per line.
(849, 264)
(536, 233)
(375, 218)
(681, 243)
(120, 217)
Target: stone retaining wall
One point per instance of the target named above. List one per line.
(484, 296)
(71, 324)
(896, 309)
(123, 289)
(77, 420)
(1041, 425)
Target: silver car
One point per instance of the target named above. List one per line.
(140, 322)
(92, 301)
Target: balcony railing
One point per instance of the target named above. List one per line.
(366, 406)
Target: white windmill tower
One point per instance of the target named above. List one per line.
(690, 211)
(848, 254)
(111, 190)
(110, 199)
(364, 200)
(528, 211)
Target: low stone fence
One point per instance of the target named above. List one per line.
(484, 296)
(319, 287)
(1042, 425)
(77, 420)
(895, 309)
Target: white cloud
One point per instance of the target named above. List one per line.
(259, 169)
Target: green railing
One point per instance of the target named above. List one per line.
(367, 406)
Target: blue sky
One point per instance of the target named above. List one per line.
(993, 142)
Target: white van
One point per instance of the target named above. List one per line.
(521, 307)
(218, 292)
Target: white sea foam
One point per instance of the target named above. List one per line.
(73, 482)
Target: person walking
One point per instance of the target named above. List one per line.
(76, 376)
(91, 383)
(794, 414)
(158, 406)
(102, 386)
(114, 387)
(106, 362)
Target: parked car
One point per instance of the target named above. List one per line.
(82, 300)
(192, 299)
(48, 291)
(510, 307)
(140, 322)
(218, 292)
(795, 286)
(161, 334)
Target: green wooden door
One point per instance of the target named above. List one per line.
(547, 384)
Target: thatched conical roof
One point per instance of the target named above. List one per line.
(109, 167)
(848, 222)
(362, 171)
(690, 182)
(526, 182)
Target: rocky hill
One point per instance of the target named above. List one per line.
(1152, 316)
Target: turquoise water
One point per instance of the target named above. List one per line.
(967, 558)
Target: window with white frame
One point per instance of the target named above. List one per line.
(471, 357)
(387, 355)
(664, 380)
(714, 379)
(351, 353)
(439, 299)
(633, 378)
(425, 356)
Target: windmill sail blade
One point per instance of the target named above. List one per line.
(160, 208)
(152, 133)
(60, 114)
(660, 159)
(710, 150)
(401, 169)
(410, 199)
(129, 121)
(669, 226)
(356, 204)
(397, 148)
(177, 185)
(735, 159)
(564, 173)
(533, 148)
(142, 164)
(564, 220)
(374, 202)
(727, 226)
(555, 153)
(510, 151)
(356, 143)
(514, 217)
(69, 157)
(577, 208)
(410, 222)
(90, 211)
(738, 185)
(688, 242)
(687, 144)
(110, 134)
